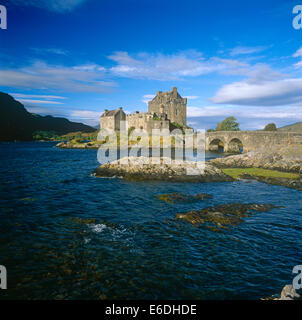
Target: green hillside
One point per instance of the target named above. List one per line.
(16, 123)
(297, 127)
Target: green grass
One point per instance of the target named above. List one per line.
(237, 172)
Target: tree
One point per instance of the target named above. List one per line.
(270, 127)
(228, 124)
(210, 130)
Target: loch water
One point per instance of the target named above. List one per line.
(65, 234)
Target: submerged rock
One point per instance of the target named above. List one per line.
(180, 197)
(78, 220)
(141, 169)
(224, 215)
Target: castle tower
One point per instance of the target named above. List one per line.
(172, 104)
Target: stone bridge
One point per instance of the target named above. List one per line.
(245, 141)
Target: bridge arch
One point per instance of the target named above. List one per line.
(250, 140)
(217, 145)
(235, 145)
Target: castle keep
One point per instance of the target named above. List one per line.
(168, 110)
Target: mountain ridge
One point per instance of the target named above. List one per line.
(16, 123)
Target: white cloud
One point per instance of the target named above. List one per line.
(246, 50)
(253, 112)
(57, 51)
(262, 93)
(148, 97)
(298, 53)
(29, 96)
(298, 65)
(87, 116)
(191, 97)
(43, 76)
(250, 118)
(207, 111)
(53, 5)
(162, 67)
(263, 86)
(44, 110)
(30, 101)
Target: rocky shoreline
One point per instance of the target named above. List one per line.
(284, 182)
(85, 145)
(141, 169)
(287, 159)
(287, 293)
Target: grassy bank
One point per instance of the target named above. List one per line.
(257, 172)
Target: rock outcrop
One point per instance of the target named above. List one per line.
(177, 197)
(81, 145)
(287, 293)
(223, 216)
(284, 182)
(288, 159)
(141, 169)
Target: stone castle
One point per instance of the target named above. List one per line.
(168, 110)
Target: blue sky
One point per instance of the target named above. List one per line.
(75, 58)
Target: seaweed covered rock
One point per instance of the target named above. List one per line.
(180, 197)
(224, 215)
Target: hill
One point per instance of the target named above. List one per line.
(16, 123)
(297, 127)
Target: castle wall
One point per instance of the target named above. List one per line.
(113, 120)
(120, 116)
(138, 120)
(157, 124)
(108, 123)
(145, 121)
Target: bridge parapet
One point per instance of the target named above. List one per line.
(232, 141)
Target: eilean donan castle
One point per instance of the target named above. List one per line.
(168, 110)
